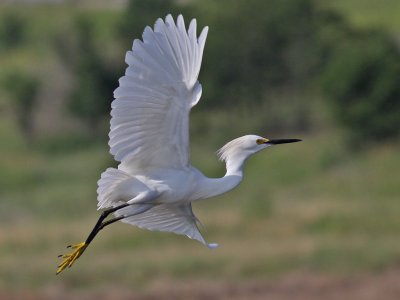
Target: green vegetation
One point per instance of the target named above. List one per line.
(23, 89)
(366, 94)
(309, 206)
(95, 81)
(315, 205)
(368, 14)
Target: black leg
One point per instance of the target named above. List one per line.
(78, 249)
(99, 225)
(69, 259)
(104, 224)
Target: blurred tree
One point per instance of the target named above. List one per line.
(362, 80)
(23, 89)
(140, 13)
(257, 46)
(95, 80)
(257, 50)
(12, 30)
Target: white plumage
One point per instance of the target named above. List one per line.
(150, 113)
(150, 128)
(154, 185)
(150, 134)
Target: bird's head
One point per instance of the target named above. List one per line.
(247, 145)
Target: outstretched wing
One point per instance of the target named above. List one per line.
(178, 219)
(150, 113)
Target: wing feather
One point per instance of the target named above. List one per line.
(150, 113)
(178, 219)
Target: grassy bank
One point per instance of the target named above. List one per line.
(306, 206)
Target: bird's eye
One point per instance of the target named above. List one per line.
(261, 141)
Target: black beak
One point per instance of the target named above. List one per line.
(283, 141)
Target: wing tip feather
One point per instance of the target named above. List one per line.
(160, 35)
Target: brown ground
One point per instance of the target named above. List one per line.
(296, 286)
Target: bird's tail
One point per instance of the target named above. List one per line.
(116, 187)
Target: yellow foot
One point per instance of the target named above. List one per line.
(69, 259)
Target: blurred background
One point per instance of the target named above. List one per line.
(314, 220)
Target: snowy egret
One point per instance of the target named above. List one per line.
(155, 183)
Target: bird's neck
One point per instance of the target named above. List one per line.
(212, 187)
(216, 186)
(234, 165)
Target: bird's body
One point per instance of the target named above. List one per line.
(177, 186)
(155, 184)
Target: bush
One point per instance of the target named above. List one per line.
(95, 79)
(362, 82)
(23, 89)
(12, 31)
(256, 47)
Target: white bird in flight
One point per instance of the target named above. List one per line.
(155, 184)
